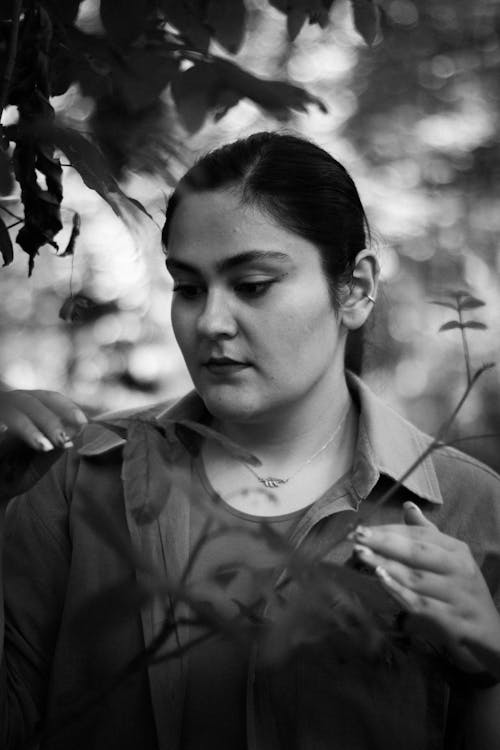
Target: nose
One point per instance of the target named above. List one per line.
(216, 319)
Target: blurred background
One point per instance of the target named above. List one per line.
(414, 118)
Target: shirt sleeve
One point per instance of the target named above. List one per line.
(37, 555)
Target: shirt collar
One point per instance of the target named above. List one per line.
(387, 443)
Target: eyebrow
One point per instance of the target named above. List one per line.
(234, 261)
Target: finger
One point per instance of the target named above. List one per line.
(45, 420)
(414, 517)
(22, 426)
(411, 601)
(422, 582)
(69, 413)
(428, 551)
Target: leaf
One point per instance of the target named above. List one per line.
(476, 325)
(298, 11)
(443, 304)
(141, 76)
(366, 19)
(91, 165)
(148, 471)
(192, 92)
(471, 303)
(224, 574)
(450, 325)
(75, 231)
(295, 21)
(6, 180)
(227, 19)
(74, 308)
(188, 16)
(210, 86)
(125, 21)
(6, 248)
(234, 450)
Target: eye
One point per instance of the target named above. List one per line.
(188, 291)
(253, 288)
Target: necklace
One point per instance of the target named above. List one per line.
(271, 482)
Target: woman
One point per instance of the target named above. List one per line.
(266, 243)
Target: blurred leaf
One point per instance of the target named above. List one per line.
(192, 92)
(189, 18)
(219, 84)
(232, 448)
(366, 19)
(295, 21)
(298, 11)
(74, 309)
(227, 19)
(148, 471)
(6, 178)
(275, 541)
(471, 303)
(125, 23)
(91, 165)
(6, 248)
(443, 304)
(142, 75)
(75, 231)
(450, 325)
(224, 574)
(475, 325)
(252, 613)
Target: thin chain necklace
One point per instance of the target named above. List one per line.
(271, 482)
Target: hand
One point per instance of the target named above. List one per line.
(435, 578)
(42, 419)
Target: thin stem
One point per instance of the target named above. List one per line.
(11, 55)
(464, 343)
(11, 213)
(15, 223)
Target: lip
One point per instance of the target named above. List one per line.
(224, 365)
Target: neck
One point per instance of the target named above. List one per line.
(292, 433)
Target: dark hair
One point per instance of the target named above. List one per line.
(297, 183)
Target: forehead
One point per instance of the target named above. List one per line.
(211, 226)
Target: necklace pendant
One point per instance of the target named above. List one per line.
(271, 482)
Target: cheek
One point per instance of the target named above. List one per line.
(309, 329)
(182, 326)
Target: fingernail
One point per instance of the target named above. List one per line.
(362, 533)
(363, 552)
(43, 444)
(68, 444)
(62, 438)
(384, 576)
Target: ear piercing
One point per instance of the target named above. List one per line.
(368, 296)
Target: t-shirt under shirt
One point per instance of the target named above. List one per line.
(214, 710)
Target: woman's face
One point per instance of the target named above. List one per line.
(251, 310)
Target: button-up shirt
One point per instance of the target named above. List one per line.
(109, 513)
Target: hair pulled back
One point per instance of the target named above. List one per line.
(298, 184)
(303, 188)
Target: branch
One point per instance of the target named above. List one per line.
(11, 213)
(11, 56)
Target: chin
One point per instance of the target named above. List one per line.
(233, 407)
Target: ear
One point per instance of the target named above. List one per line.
(361, 291)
